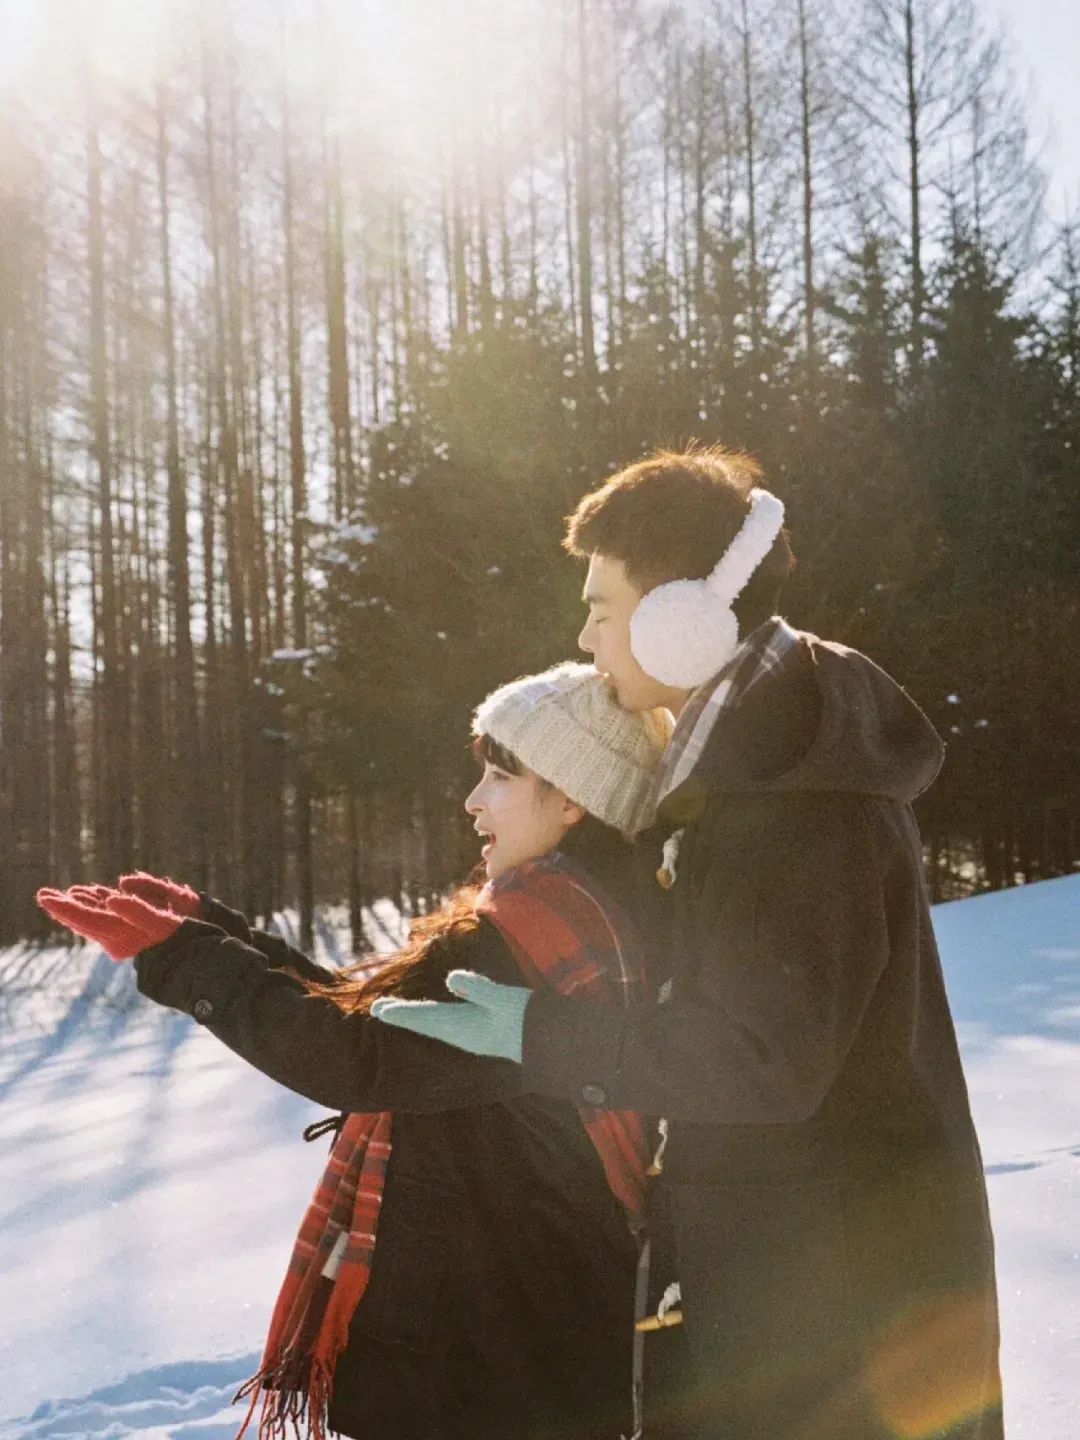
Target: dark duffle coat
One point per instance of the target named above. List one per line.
(501, 1298)
(822, 1201)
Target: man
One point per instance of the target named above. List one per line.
(821, 1201)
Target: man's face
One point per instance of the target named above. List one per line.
(612, 599)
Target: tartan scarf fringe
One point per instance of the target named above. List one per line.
(310, 1325)
(295, 1398)
(296, 1377)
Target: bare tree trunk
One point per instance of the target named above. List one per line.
(374, 310)
(235, 779)
(730, 374)
(806, 145)
(459, 248)
(619, 126)
(397, 309)
(142, 587)
(353, 803)
(67, 804)
(918, 299)
(184, 801)
(298, 478)
(24, 687)
(568, 172)
(701, 131)
(12, 486)
(279, 539)
(337, 333)
(404, 269)
(113, 825)
(209, 856)
(506, 258)
(749, 140)
(247, 568)
(685, 285)
(607, 230)
(534, 241)
(584, 202)
(485, 288)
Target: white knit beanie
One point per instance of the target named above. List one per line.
(567, 726)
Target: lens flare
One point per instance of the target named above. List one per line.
(930, 1371)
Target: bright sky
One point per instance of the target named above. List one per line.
(1046, 56)
(1047, 53)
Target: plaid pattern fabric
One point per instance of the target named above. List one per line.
(328, 1272)
(566, 935)
(760, 654)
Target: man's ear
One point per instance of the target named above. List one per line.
(572, 812)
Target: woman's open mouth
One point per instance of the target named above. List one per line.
(488, 836)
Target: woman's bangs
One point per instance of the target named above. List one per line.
(489, 751)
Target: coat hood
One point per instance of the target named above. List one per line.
(829, 719)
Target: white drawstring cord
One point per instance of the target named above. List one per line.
(667, 873)
(672, 1296)
(657, 1166)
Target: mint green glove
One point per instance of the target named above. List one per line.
(491, 1022)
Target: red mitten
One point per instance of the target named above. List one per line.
(93, 895)
(148, 921)
(163, 893)
(123, 927)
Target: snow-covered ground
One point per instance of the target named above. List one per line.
(151, 1184)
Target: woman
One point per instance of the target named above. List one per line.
(467, 1266)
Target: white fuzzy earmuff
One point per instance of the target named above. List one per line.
(685, 632)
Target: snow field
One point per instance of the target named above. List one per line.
(151, 1183)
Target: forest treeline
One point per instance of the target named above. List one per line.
(311, 334)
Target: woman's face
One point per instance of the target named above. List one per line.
(520, 816)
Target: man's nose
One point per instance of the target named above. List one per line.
(584, 640)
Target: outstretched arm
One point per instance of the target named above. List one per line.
(181, 900)
(305, 1042)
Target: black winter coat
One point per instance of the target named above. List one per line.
(501, 1297)
(822, 1201)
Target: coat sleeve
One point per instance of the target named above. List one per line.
(303, 1041)
(274, 950)
(790, 939)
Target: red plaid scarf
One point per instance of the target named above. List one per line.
(567, 935)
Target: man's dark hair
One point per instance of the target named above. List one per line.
(672, 515)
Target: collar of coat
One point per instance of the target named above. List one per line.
(797, 713)
(761, 656)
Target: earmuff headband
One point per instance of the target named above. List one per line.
(685, 632)
(750, 546)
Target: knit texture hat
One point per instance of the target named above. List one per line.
(567, 726)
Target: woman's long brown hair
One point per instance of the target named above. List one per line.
(403, 973)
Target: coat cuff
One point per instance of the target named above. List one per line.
(177, 974)
(571, 1050)
(233, 922)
